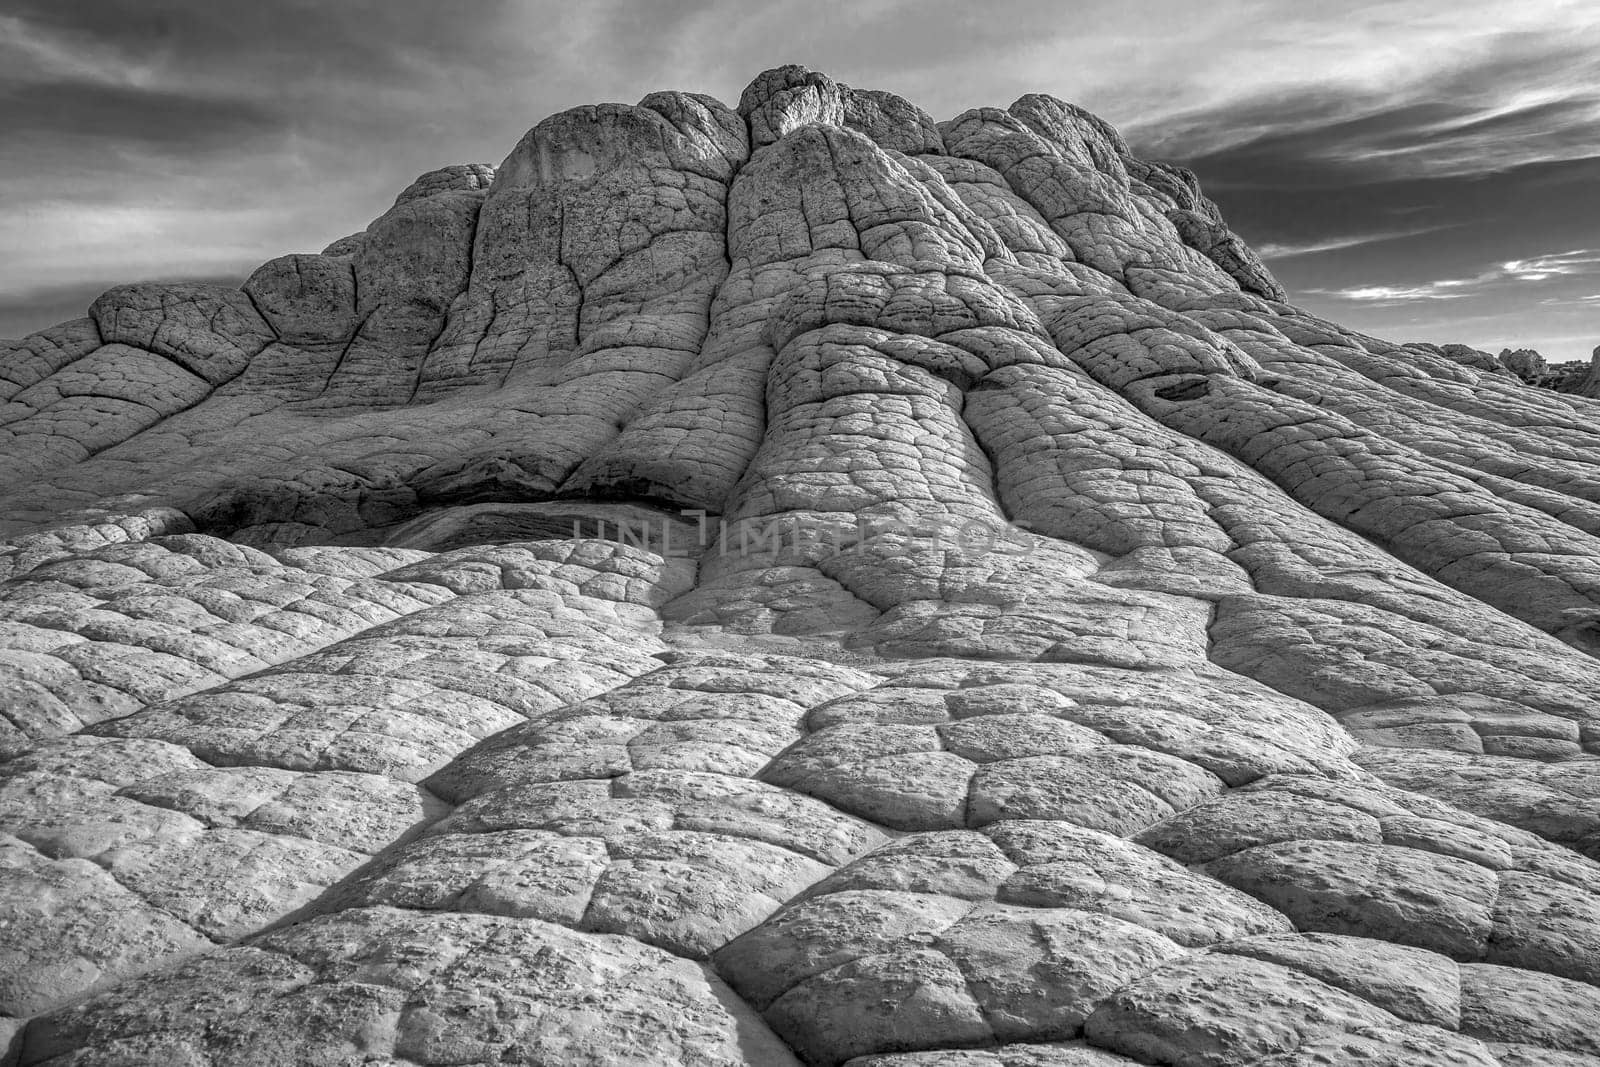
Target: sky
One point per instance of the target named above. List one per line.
(1422, 170)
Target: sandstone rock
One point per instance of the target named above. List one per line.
(1525, 363)
(792, 583)
(1412, 984)
(419, 990)
(1528, 1008)
(1395, 894)
(1062, 1054)
(1213, 1009)
(1039, 974)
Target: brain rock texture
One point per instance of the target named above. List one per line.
(436, 653)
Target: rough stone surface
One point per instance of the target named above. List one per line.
(792, 583)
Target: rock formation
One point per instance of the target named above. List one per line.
(1525, 363)
(1578, 377)
(794, 583)
(1575, 376)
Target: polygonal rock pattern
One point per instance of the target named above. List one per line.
(800, 583)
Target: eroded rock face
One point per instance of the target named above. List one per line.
(799, 583)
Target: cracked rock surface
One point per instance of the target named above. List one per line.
(799, 583)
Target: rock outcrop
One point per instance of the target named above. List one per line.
(1582, 379)
(1577, 377)
(800, 583)
(1525, 363)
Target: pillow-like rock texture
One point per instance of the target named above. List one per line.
(799, 583)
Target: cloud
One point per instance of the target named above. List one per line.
(1540, 268)
(154, 139)
(1273, 250)
(1586, 300)
(159, 118)
(131, 242)
(1399, 294)
(1514, 93)
(1320, 138)
(1582, 261)
(31, 52)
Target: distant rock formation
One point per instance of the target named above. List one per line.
(1576, 377)
(794, 583)
(1582, 379)
(1525, 363)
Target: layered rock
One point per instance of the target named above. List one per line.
(795, 583)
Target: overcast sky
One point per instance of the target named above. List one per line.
(1420, 169)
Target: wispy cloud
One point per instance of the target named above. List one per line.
(1289, 250)
(1582, 261)
(1448, 289)
(1540, 268)
(1517, 87)
(31, 51)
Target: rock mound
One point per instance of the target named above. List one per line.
(795, 583)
